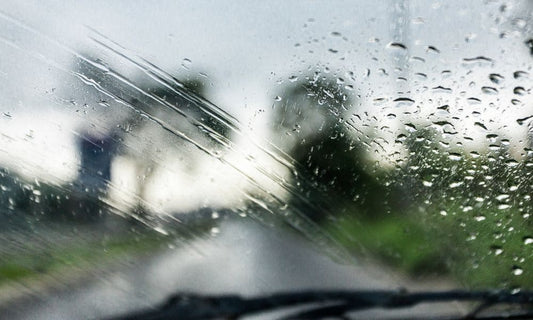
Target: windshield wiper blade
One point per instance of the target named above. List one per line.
(330, 304)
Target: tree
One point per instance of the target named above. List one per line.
(329, 164)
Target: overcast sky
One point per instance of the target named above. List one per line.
(248, 50)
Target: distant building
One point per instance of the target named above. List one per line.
(96, 153)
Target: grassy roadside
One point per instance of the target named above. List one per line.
(488, 252)
(27, 266)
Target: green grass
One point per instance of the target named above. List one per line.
(478, 254)
(20, 266)
(487, 252)
(396, 240)
(14, 271)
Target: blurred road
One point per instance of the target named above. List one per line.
(244, 257)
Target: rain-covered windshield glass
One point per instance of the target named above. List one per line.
(209, 147)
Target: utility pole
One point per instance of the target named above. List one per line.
(400, 35)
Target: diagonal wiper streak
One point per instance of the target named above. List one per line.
(122, 89)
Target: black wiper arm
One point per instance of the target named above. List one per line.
(331, 303)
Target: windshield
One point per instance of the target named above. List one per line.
(149, 148)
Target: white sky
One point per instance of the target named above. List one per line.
(249, 49)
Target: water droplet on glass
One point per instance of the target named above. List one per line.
(401, 138)
(480, 125)
(214, 231)
(427, 183)
(420, 59)
(396, 45)
(186, 63)
(277, 98)
(522, 120)
(410, 127)
(480, 218)
(442, 89)
(443, 123)
(489, 90)
(473, 100)
(496, 78)
(293, 78)
(502, 197)
(444, 107)
(382, 72)
(511, 163)
(520, 74)
(497, 250)
(432, 49)
(477, 59)
(454, 156)
(403, 101)
(379, 101)
(519, 91)
(455, 184)
(104, 103)
(517, 270)
(528, 240)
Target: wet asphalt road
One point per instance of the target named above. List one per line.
(245, 257)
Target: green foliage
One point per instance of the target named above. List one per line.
(466, 215)
(330, 168)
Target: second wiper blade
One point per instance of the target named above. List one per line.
(332, 303)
